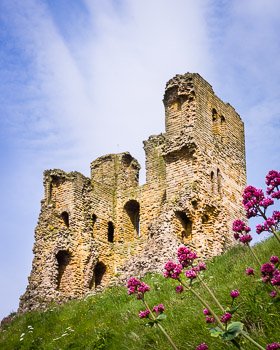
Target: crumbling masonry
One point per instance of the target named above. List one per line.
(93, 232)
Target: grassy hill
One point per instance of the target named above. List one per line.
(110, 320)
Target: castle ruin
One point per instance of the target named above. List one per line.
(93, 232)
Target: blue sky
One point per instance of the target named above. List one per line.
(82, 78)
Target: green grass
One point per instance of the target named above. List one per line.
(110, 320)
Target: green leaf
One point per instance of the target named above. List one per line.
(216, 332)
(233, 330)
(161, 317)
(150, 323)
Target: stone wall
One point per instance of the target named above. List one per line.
(98, 231)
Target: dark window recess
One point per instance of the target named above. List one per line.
(99, 271)
(63, 258)
(132, 209)
(111, 230)
(186, 224)
(65, 218)
(214, 115)
(212, 181)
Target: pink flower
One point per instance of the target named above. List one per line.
(209, 319)
(267, 269)
(274, 259)
(206, 312)
(226, 317)
(234, 293)
(204, 346)
(158, 308)
(273, 346)
(143, 288)
(245, 239)
(273, 182)
(202, 266)
(186, 256)
(172, 270)
(266, 202)
(249, 271)
(276, 195)
(144, 314)
(275, 280)
(252, 199)
(273, 294)
(135, 286)
(191, 274)
(260, 228)
(238, 226)
(236, 236)
(179, 289)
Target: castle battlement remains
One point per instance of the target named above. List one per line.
(94, 232)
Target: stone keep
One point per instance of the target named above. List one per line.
(98, 231)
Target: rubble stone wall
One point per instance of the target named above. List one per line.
(98, 231)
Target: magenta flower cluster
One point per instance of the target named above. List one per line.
(226, 317)
(256, 204)
(273, 182)
(208, 317)
(144, 314)
(270, 272)
(270, 223)
(158, 309)
(186, 256)
(249, 271)
(241, 231)
(202, 346)
(135, 286)
(172, 270)
(234, 293)
(273, 346)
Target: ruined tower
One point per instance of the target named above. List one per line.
(93, 232)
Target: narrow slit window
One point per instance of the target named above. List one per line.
(111, 231)
(65, 218)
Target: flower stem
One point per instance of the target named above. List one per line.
(203, 302)
(254, 255)
(212, 294)
(275, 234)
(245, 335)
(160, 326)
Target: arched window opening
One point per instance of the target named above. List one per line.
(65, 218)
(212, 175)
(219, 181)
(214, 115)
(186, 225)
(132, 209)
(223, 119)
(63, 258)
(98, 273)
(111, 230)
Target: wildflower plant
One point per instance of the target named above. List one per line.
(153, 315)
(188, 271)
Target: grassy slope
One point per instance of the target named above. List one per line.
(110, 321)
